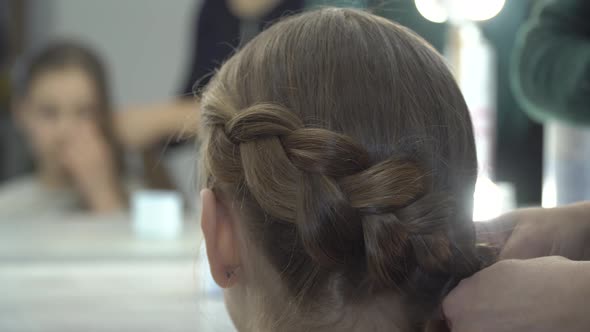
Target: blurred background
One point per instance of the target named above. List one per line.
(98, 169)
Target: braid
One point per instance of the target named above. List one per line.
(344, 208)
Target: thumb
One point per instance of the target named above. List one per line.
(453, 305)
(447, 308)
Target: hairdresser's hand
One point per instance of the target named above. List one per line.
(543, 294)
(90, 161)
(537, 232)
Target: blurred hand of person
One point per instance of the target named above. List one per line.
(90, 162)
(140, 127)
(538, 232)
(543, 295)
(252, 9)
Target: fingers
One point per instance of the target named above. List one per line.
(452, 306)
(496, 232)
(461, 306)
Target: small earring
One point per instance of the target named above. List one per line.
(229, 274)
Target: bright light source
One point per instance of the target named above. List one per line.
(490, 200)
(482, 10)
(549, 199)
(474, 10)
(433, 10)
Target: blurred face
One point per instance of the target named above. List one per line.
(58, 103)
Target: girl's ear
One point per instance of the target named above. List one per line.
(220, 238)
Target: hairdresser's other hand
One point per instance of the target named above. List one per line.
(538, 232)
(543, 295)
(90, 161)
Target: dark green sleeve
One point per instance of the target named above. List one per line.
(551, 66)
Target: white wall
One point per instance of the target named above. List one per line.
(145, 43)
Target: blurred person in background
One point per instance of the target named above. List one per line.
(551, 77)
(64, 111)
(220, 27)
(552, 62)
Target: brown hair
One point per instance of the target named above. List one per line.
(350, 149)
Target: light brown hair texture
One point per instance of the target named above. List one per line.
(349, 147)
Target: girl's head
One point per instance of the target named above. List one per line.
(65, 89)
(341, 162)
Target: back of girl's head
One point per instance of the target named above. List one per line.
(348, 148)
